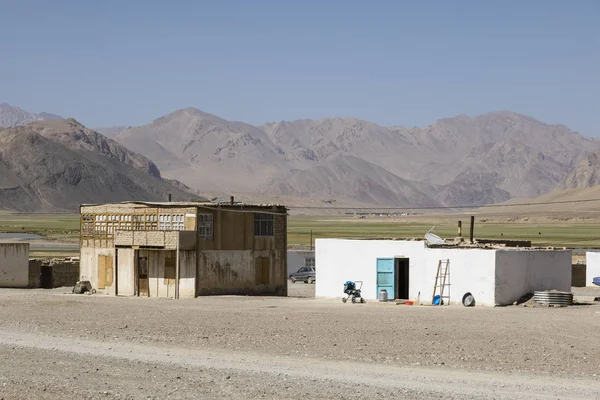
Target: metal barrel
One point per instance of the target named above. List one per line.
(553, 298)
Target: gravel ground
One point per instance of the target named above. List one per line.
(53, 344)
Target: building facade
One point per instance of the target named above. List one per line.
(183, 250)
(408, 269)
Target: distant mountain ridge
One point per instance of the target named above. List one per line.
(57, 165)
(11, 116)
(454, 162)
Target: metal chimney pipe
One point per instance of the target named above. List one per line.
(472, 226)
(231, 199)
(459, 228)
(169, 197)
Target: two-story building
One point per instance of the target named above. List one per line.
(184, 249)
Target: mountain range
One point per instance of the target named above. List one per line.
(56, 165)
(454, 162)
(11, 116)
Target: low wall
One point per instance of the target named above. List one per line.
(52, 272)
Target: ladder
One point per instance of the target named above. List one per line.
(442, 280)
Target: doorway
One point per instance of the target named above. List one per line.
(401, 269)
(46, 277)
(142, 273)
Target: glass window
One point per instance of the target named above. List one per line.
(263, 224)
(205, 226)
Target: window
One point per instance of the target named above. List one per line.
(263, 224)
(205, 226)
(171, 222)
(310, 262)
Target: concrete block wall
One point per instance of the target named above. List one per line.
(64, 272)
(35, 271)
(166, 239)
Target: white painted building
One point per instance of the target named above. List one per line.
(14, 265)
(492, 276)
(297, 259)
(592, 268)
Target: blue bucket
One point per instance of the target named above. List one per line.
(436, 300)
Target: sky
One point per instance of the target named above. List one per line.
(409, 63)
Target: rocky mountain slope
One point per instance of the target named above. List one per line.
(585, 174)
(11, 116)
(456, 161)
(58, 165)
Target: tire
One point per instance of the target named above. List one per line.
(354, 300)
(362, 300)
(293, 280)
(344, 299)
(311, 280)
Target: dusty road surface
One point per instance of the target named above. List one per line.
(55, 346)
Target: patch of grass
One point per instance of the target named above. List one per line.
(56, 226)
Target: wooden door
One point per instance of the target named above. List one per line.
(143, 283)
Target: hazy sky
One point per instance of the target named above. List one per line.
(391, 62)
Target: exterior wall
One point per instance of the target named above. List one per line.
(161, 287)
(125, 272)
(592, 267)
(166, 239)
(63, 272)
(14, 265)
(234, 272)
(88, 266)
(187, 274)
(35, 273)
(471, 270)
(519, 272)
(227, 264)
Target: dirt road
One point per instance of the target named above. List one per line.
(54, 345)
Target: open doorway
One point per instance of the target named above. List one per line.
(143, 285)
(401, 267)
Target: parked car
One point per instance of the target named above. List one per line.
(306, 274)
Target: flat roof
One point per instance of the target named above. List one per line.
(185, 204)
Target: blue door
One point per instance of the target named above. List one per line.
(385, 276)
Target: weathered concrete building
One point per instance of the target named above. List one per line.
(184, 249)
(14, 265)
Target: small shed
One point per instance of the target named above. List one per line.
(407, 270)
(14, 265)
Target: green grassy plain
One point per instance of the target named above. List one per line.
(54, 226)
(559, 234)
(65, 227)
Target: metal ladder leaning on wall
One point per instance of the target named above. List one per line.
(442, 280)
